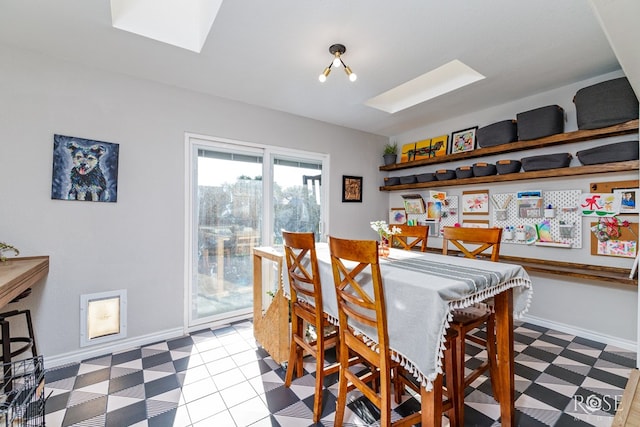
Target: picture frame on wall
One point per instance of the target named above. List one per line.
(84, 169)
(463, 140)
(475, 202)
(628, 200)
(397, 216)
(351, 189)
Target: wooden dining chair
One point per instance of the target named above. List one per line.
(306, 306)
(473, 243)
(410, 236)
(355, 264)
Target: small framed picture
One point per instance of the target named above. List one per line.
(463, 140)
(351, 188)
(397, 216)
(475, 202)
(628, 200)
(414, 206)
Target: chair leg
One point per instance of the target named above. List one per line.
(492, 357)
(317, 401)
(34, 352)
(385, 397)
(6, 342)
(341, 401)
(294, 353)
(398, 387)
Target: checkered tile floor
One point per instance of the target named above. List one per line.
(221, 378)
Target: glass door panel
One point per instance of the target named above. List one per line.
(229, 225)
(297, 196)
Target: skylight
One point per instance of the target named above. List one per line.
(184, 24)
(444, 79)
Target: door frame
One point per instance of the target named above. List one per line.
(192, 142)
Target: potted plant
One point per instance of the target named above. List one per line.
(5, 247)
(390, 153)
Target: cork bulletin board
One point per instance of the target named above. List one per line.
(621, 247)
(628, 235)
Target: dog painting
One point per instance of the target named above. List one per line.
(84, 169)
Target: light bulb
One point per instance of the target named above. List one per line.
(351, 74)
(323, 77)
(337, 61)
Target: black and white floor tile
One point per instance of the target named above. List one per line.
(223, 378)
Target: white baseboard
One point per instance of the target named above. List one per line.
(113, 347)
(573, 330)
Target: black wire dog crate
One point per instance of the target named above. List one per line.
(22, 396)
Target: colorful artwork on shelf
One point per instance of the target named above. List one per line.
(408, 152)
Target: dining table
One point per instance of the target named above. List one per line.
(421, 291)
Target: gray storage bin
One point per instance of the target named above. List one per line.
(610, 153)
(484, 169)
(508, 166)
(426, 177)
(391, 180)
(464, 172)
(605, 104)
(409, 179)
(445, 174)
(546, 161)
(497, 133)
(541, 122)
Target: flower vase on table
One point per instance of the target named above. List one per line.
(385, 234)
(383, 248)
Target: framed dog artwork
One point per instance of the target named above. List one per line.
(84, 169)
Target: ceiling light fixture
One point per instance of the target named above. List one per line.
(337, 50)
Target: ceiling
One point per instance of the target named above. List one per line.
(270, 53)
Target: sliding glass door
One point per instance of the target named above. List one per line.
(229, 215)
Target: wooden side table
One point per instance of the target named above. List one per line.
(271, 326)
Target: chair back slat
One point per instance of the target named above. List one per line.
(410, 236)
(302, 268)
(356, 270)
(472, 242)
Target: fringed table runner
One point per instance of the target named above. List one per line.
(421, 290)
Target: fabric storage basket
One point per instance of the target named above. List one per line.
(409, 179)
(391, 180)
(605, 104)
(610, 153)
(508, 166)
(445, 174)
(426, 177)
(546, 161)
(464, 172)
(541, 122)
(497, 133)
(484, 169)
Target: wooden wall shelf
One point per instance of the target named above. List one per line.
(558, 139)
(19, 274)
(549, 173)
(599, 273)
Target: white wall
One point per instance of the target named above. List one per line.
(598, 310)
(136, 243)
